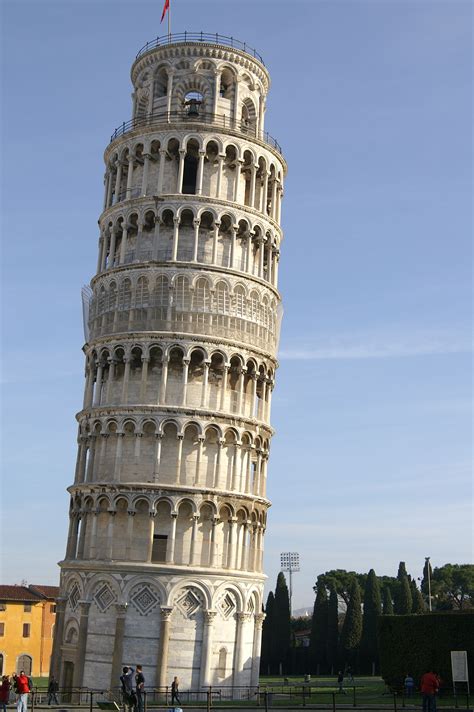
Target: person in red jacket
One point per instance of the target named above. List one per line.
(429, 687)
(23, 687)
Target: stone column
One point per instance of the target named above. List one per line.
(129, 178)
(186, 362)
(117, 658)
(249, 251)
(224, 387)
(81, 644)
(235, 461)
(217, 471)
(93, 540)
(109, 188)
(253, 176)
(103, 258)
(118, 181)
(126, 376)
(207, 365)
(123, 244)
(196, 224)
(110, 380)
(241, 389)
(237, 179)
(214, 522)
(161, 170)
(266, 176)
(200, 173)
(82, 535)
(110, 534)
(236, 102)
(217, 80)
(99, 257)
(55, 665)
(146, 168)
(156, 471)
(118, 455)
(233, 238)
(151, 534)
(241, 619)
(164, 379)
(257, 642)
(174, 250)
(194, 535)
(169, 92)
(143, 383)
(156, 239)
(261, 255)
(162, 665)
(179, 185)
(179, 457)
(129, 535)
(229, 559)
(214, 242)
(113, 236)
(220, 162)
(172, 540)
(243, 560)
(274, 198)
(199, 458)
(206, 650)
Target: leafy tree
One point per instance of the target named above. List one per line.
(268, 627)
(319, 630)
(418, 603)
(341, 580)
(352, 627)
(369, 654)
(454, 584)
(282, 627)
(333, 630)
(387, 601)
(403, 601)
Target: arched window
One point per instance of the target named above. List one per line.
(160, 298)
(125, 295)
(222, 298)
(142, 295)
(202, 295)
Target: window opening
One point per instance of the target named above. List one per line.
(160, 544)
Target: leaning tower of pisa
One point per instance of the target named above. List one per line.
(163, 564)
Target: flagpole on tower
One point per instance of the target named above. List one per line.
(169, 21)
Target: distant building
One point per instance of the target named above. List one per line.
(27, 616)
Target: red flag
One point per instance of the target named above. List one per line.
(166, 7)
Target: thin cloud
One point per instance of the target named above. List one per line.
(378, 346)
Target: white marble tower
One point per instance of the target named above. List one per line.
(163, 565)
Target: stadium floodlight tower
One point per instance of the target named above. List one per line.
(290, 561)
(163, 565)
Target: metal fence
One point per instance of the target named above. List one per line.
(184, 116)
(192, 37)
(268, 697)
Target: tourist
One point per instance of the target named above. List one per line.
(175, 691)
(349, 674)
(140, 688)
(340, 682)
(409, 685)
(129, 697)
(23, 688)
(53, 688)
(5, 692)
(429, 688)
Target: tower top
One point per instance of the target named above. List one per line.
(205, 38)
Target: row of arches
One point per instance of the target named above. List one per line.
(190, 234)
(166, 453)
(176, 376)
(203, 88)
(193, 165)
(184, 535)
(155, 302)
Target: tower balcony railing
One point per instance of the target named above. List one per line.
(248, 128)
(193, 37)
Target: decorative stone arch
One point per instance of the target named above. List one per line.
(238, 592)
(169, 421)
(191, 137)
(199, 586)
(187, 207)
(207, 209)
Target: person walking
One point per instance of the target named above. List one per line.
(53, 688)
(175, 691)
(340, 682)
(23, 688)
(5, 692)
(429, 688)
(140, 688)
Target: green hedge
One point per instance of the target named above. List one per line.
(416, 643)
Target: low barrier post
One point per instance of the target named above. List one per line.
(333, 701)
(265, 695)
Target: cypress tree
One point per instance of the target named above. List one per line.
(369, 653)
(403, 599)
(387, 601)
(319, 630)
(352, 628)
(418, 604)
(282, 627)
(266, 661)
(333, 631)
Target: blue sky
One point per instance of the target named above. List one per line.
(371, 101)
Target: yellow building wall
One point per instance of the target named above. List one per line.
(39, 644)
